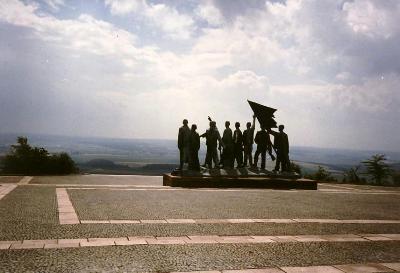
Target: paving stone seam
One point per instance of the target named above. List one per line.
(195, 239)
(237, 221)
(66, 212)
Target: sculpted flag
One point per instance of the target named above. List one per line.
(264, 114)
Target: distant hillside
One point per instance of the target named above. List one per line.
(156, 156)
(104, 166)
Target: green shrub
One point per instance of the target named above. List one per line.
(352, 176)
(27, 160)
(377, 168)
(321, 175)
(294, 167)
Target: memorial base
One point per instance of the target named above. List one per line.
(189, 179)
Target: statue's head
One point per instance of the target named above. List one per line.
(194, 127)
(213, 124)
(185, 122)
(237, 125)
(227, 123)
(248, 125)
(281, 127)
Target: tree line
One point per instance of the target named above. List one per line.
(27, 160)
(374, 170)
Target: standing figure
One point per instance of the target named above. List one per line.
(281, 143)
(194, 146)
(212, 138)
(183, 144)
(264, 144)
(248, 136)
(237, 146)
(227, 156)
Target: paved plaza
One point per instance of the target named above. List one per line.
(105, 223)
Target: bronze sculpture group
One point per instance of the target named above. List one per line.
(233, 146)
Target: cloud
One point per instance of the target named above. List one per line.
(122, 7)
(372, 19)
(210, 14)
(169, 20)
(55, 5)
(333, 75)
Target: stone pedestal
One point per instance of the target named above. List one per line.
(237, 178)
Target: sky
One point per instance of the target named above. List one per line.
(137, 68)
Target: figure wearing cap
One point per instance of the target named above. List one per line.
(281, 143)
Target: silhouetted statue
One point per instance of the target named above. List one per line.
(264, 144)
(237, 145)
(194, 146)
(281, 143)
(248, 140)
(183, 144)
(227, 156)
(212, 138)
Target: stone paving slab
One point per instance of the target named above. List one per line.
(265, 239)
(394, 266)
(66, 211)
(264, 270)
(153, 221)
(6, 189)
(65, 245)
(69, 211)
(346, 268)
(5, 246)
(125, 222)
(391, 236)
(363, 268)
(311, 269)
(187, 240)
(25, 180)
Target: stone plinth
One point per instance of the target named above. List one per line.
(237, 179)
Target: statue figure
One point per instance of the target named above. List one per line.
(194, 146)
(227, 155)
(212, 138)
(237, 145)
(248, 140)
(264, 144)
(281, 143)
(183, 143)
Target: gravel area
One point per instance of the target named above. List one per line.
(28, 205)
(196, 257)
(106, 205)
(30, 212)
(99, 180)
